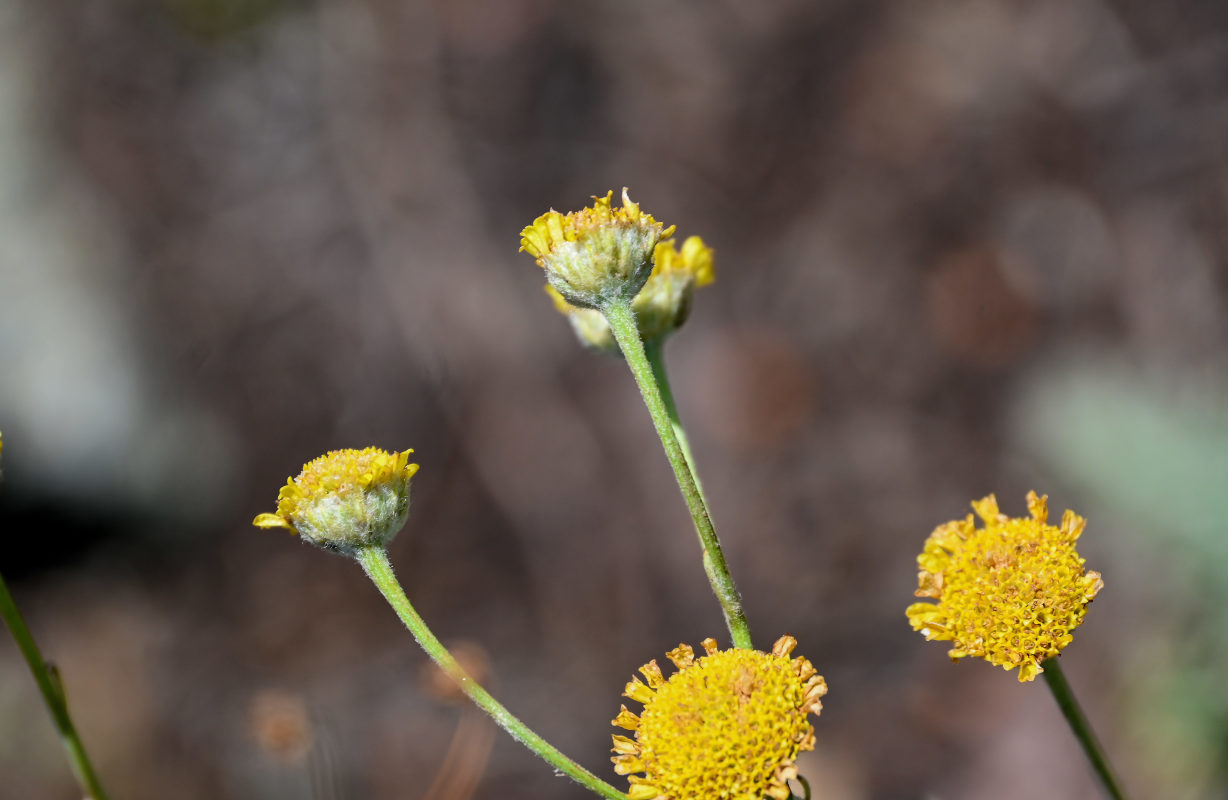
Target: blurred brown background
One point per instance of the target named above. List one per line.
(962, 247)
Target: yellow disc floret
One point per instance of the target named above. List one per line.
(346, 499)
(661, 307)
(598, 254)
(728, 725)
(1011, 592)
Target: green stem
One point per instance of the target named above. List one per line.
(53, 696)
(374, 561)
(654, 349)
(622, 323)
(1082, 729)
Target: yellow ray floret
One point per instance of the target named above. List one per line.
(661, 307)
(694, 260)
(728, 724)
(1011, 592)
(346, 499)
(597, 254)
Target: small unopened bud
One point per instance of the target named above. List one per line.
(588, 324)
(346, 499)
(663, 304)
(597, 255)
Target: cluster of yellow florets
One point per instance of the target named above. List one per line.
(346, 499)
(1011, 592)
(597, 254)
(729, 724)
(661, 306)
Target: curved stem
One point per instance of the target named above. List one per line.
(374, 561)
(53, 695)
(1082, 729)
(654, 349)
(622, 323)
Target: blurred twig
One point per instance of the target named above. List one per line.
(52, 689)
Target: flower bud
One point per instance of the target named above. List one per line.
(661, 307)
(346, 499)
(588, 324)
(598, 254)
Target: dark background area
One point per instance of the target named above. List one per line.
(961, 248)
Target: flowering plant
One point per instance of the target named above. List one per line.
(729, 723)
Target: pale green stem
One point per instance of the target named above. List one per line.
(374, 561)
(654, 349)
(1082, 729)
(53, 695)
(622, 323)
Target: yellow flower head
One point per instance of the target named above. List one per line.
(346, 499)
(1011, 592)
(726, 725)
(661, 306)
(597, 254)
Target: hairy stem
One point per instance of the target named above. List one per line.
(654, 349)
(626, 332)
(374, 561)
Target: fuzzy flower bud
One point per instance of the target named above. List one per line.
(661, 307)
(346, 499)
(598, 254)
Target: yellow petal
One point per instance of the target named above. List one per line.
(637, 691)
(272, 521)
(1038, 506)
(683, 656)
(626, 719)
(1072, 525)
(642, 791)
(987, 508)
(652, 673)
(1092, 583)
(784, 645)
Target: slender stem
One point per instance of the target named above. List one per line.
(654, 349)
(374, 561)
(53, 695)
(1082, 729)
(626, 332)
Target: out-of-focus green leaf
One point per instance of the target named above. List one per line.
(1156, 455)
